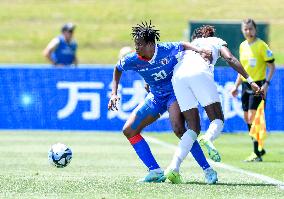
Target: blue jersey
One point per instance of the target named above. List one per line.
(65, 52)
(158, 71)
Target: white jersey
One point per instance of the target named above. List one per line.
(210, 43)
(193, 79)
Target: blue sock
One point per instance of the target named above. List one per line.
(143, 151)
(199, 156)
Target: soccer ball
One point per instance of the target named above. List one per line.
(59, 155)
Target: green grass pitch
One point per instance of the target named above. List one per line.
(104, 165)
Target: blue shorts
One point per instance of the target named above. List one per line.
(160, 105)
(153, 106)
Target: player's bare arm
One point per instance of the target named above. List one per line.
(235, 64)
(50, 48)
(271, 66)
(47, 53)
(238, 82)
(114, 99)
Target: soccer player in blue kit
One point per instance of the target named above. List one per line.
(155, 63)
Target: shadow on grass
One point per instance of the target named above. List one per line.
(271, 161)
(233, 184)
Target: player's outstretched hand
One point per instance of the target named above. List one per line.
(113, 102)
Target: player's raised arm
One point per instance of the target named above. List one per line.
(235, 64)
(271, 66)
(114, 99)
(233, 61)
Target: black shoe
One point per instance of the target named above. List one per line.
(258, 159)
(262, 152)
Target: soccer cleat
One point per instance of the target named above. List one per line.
(212, 151)
(253, 158)
(210, 176)
(262, 152)
(154, 177)
(173, 176)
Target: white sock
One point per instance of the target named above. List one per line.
(214, 130)
(184, 146)
(209, 168)
(159, 170)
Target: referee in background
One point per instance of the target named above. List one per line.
(61, 50)
(255, 56)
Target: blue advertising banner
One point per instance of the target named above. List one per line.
(76, 99)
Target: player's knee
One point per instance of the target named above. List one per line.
(131, 127)
(249, 121)
(128, 132)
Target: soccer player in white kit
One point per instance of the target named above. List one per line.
(193, 83)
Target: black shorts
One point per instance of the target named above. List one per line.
(249, 100)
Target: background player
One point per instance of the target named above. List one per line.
(193, 83)
(155, 64)
(62, 50)
(255, 56)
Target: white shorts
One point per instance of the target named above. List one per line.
(193, 83)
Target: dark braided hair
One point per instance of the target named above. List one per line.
(146, 32)
(203, 31)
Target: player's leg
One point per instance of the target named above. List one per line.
(253, 103)
(185, 145)
(186, 101)
(216, 117)
(188, 104)
(141, 117)
(178, 125)
(245, 107)
(176, 118)
(193, 121)
(188, 143)
(188, 139)
(246, 101)
(205, 91)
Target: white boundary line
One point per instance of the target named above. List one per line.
(264, 178)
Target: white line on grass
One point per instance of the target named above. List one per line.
(264, 178)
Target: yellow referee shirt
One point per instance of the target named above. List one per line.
(253, 57)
